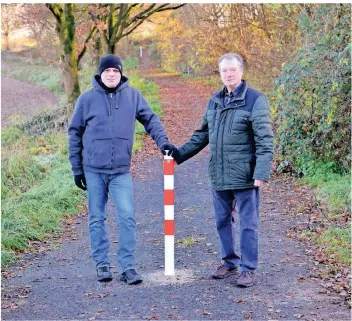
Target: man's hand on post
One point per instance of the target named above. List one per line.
(173, 151)
(167, 147)
(80, 182)
(258, 183)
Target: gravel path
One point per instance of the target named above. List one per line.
(60, 283)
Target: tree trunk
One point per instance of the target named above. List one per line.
(70, 54)
(66, 28)
(72, 88)
(97, 51)
(6, 41)
(112, 47)
(104, 44)
(107, 47)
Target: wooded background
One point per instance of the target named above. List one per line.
(298, 54)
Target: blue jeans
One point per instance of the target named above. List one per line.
(248, 209)
(120, 188)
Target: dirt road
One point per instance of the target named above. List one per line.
(20, 101)
(60, 284)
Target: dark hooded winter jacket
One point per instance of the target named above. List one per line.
(102, 128)
(240, 136)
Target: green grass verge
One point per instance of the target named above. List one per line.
(37, 188)
(336, 241)
(37, 74)
(333, 191)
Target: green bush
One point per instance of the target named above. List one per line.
(313, 93)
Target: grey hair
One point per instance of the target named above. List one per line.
(231, 56)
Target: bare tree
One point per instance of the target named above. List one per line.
(120, 20)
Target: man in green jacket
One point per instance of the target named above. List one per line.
(238, 127)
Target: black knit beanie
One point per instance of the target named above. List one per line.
(110, 61)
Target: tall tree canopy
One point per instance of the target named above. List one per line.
(119, 20)
(266, 35)
(111, 22)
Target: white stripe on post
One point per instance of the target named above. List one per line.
(169, 212)
(169, 215)
(169, 255)
(169, 182)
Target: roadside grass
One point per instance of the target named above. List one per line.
(336, 242)
(333, 192)
(37, 189)
(35, 73)
(332, 189)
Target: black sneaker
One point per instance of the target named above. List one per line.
(104, 274)
(131, 277)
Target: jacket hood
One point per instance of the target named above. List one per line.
(97, 87)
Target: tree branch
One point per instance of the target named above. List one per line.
(84, 50)
(56, 10)
(130, 31)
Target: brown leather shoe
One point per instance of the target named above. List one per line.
(246, 279)
(224, 271)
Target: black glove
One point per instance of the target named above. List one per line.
(170, 147)
(80, 182)
(173, 152)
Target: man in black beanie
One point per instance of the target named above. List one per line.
(100, 147)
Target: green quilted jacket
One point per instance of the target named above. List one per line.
(240, 136)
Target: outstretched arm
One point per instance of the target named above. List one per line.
(196, 143)
(150, 121)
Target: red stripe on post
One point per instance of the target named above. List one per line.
(169, 227)
(169, 197)
(169, 167)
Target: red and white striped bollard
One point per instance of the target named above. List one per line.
(169, 225)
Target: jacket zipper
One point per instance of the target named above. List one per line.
(222, 153)
(216, 139)
(112, 130)
(214, 118)
(231, 121)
